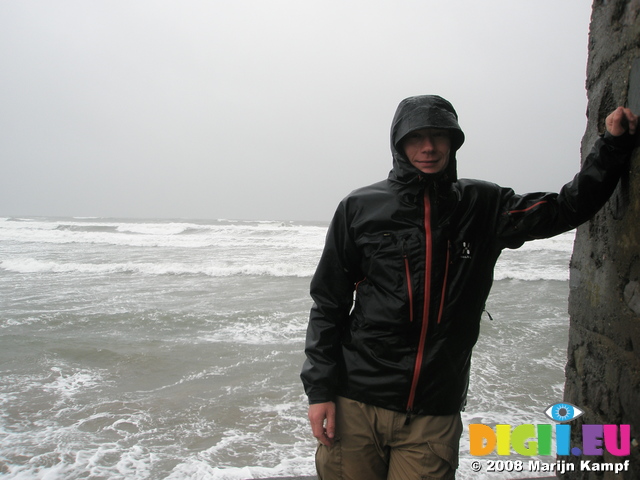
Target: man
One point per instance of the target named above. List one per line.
(401, 285)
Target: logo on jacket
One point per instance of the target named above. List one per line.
(466, 250)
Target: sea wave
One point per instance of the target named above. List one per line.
(165, 234)
(158, 228)
(534, 277)
(283, 268)
(276, 249)
(87, 228)
(559, 243)
(532, 274)
(32, 265)
(190, 234)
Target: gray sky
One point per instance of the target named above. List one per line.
(273, 109)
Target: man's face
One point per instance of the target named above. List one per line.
(428, 149)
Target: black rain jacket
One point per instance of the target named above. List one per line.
(408, 265)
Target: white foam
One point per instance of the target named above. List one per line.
(200, 469)
(243, 248)
(560, 243)
(153, 234)
(155, 228)
(531, 273)
(69, 385)
(32, 265)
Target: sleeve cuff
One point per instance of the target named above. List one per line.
(623, 142)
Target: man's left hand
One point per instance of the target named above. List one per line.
(621, 120)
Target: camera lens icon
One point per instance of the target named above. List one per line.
(563, 412)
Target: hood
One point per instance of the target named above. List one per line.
(424, 111)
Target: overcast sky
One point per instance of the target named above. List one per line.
(273, 109)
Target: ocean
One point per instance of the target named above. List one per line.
(156, 349)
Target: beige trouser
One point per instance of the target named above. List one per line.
(373, 443)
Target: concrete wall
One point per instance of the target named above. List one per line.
(603, 369)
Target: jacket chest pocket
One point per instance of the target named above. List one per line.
(387, 256)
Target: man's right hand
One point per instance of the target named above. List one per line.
(323, 422)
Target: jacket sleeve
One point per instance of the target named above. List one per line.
(332, 288)
(543, 215)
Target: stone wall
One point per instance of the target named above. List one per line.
(603, 368)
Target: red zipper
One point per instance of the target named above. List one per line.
(427, 301)
(407, 272)
(528, 208)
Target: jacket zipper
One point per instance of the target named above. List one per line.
(425, 309)
(407, 272)
(444, 281)
(526, 209)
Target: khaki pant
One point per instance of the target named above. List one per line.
(374, 443)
